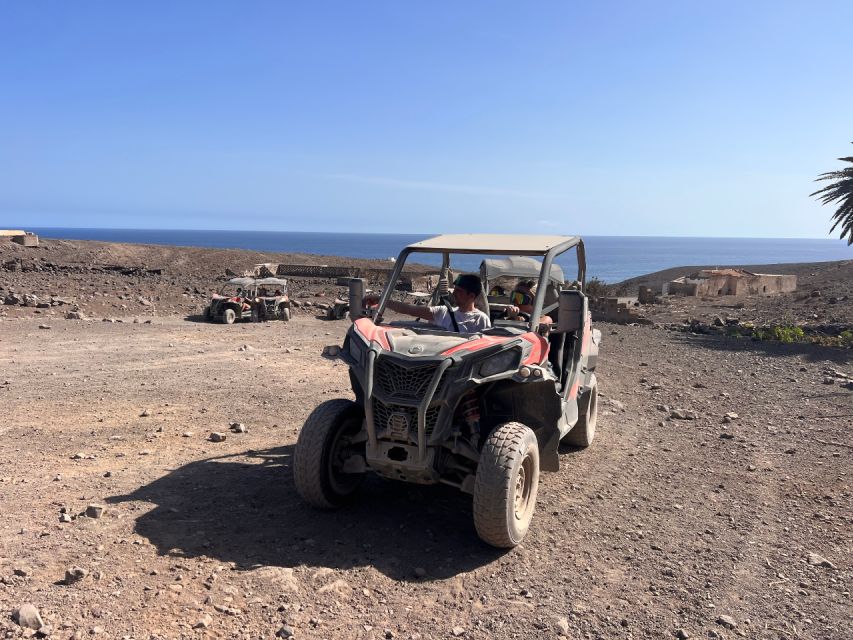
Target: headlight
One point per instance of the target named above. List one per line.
(504, 361)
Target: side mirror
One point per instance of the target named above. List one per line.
(356, 295)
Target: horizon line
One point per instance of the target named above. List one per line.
(427, 235)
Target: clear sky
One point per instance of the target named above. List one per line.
(607, 118)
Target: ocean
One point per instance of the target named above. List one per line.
(609, 258)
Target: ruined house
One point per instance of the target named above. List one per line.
(730, 282)
(21, 237)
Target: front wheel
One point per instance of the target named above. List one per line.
(326, 469)
(583, 433)
(284, 313)
(506, 485)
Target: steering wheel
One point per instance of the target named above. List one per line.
(522, 315)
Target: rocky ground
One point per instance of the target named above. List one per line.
(715, 502)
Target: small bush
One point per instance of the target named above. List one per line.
(596, 288)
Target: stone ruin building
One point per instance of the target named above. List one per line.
(730, 282)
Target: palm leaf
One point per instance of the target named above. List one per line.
(840, 191)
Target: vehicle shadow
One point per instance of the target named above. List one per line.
(244, 509)
(196, 317)
(811, 352)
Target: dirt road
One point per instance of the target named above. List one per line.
(665, 526)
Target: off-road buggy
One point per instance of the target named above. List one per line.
(483, 412)
(257, 299)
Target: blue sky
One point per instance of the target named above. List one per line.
(622, 118)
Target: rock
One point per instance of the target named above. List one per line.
(727, 436)
(719, 322)
(216, 436)
(22, 572)
(231, 611)
(617, 405)
(238, 427)
(727, 621)
(731, 416)
(682, 414)
(458, 632)
(681, 634)
(75, 574)
(750, 467)
(145, 413)
(819, 561)
(246, 347)
(204, 622)
(44, 326)
(95, 511)
(74, 315)
(65, 517)
(28, 617)
(187, 434)
(562, 626)
(284, 632)
(144, 301)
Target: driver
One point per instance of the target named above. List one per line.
(468, 319)
(522, 299)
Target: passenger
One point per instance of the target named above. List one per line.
(466, 318)
(521, 299)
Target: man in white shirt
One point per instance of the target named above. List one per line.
(466, 318)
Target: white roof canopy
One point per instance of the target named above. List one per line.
(512, 244)
(517, 267)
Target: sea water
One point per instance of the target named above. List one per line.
(609, 258)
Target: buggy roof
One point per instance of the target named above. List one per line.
(268, 282)
(261, 282)
(241, 282)
(497, 243)
(518, 267)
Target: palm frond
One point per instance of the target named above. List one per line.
(840, 191)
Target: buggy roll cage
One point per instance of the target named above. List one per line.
(546, 247)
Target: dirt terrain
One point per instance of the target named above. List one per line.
(678, 522)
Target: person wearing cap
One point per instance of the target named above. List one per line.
(463, 318)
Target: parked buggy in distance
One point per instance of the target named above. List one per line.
(484, 411)
(258, 299)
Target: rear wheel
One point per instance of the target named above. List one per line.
(229, 316)
(323, 469)
(583, 433)
(506, 485)
(208, 315)
(284, 313)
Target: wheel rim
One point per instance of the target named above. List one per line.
(341, 448)
(523, 486)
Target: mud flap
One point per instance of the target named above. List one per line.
(549, 459)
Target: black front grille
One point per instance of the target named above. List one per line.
(382, 413)
(405, 382)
